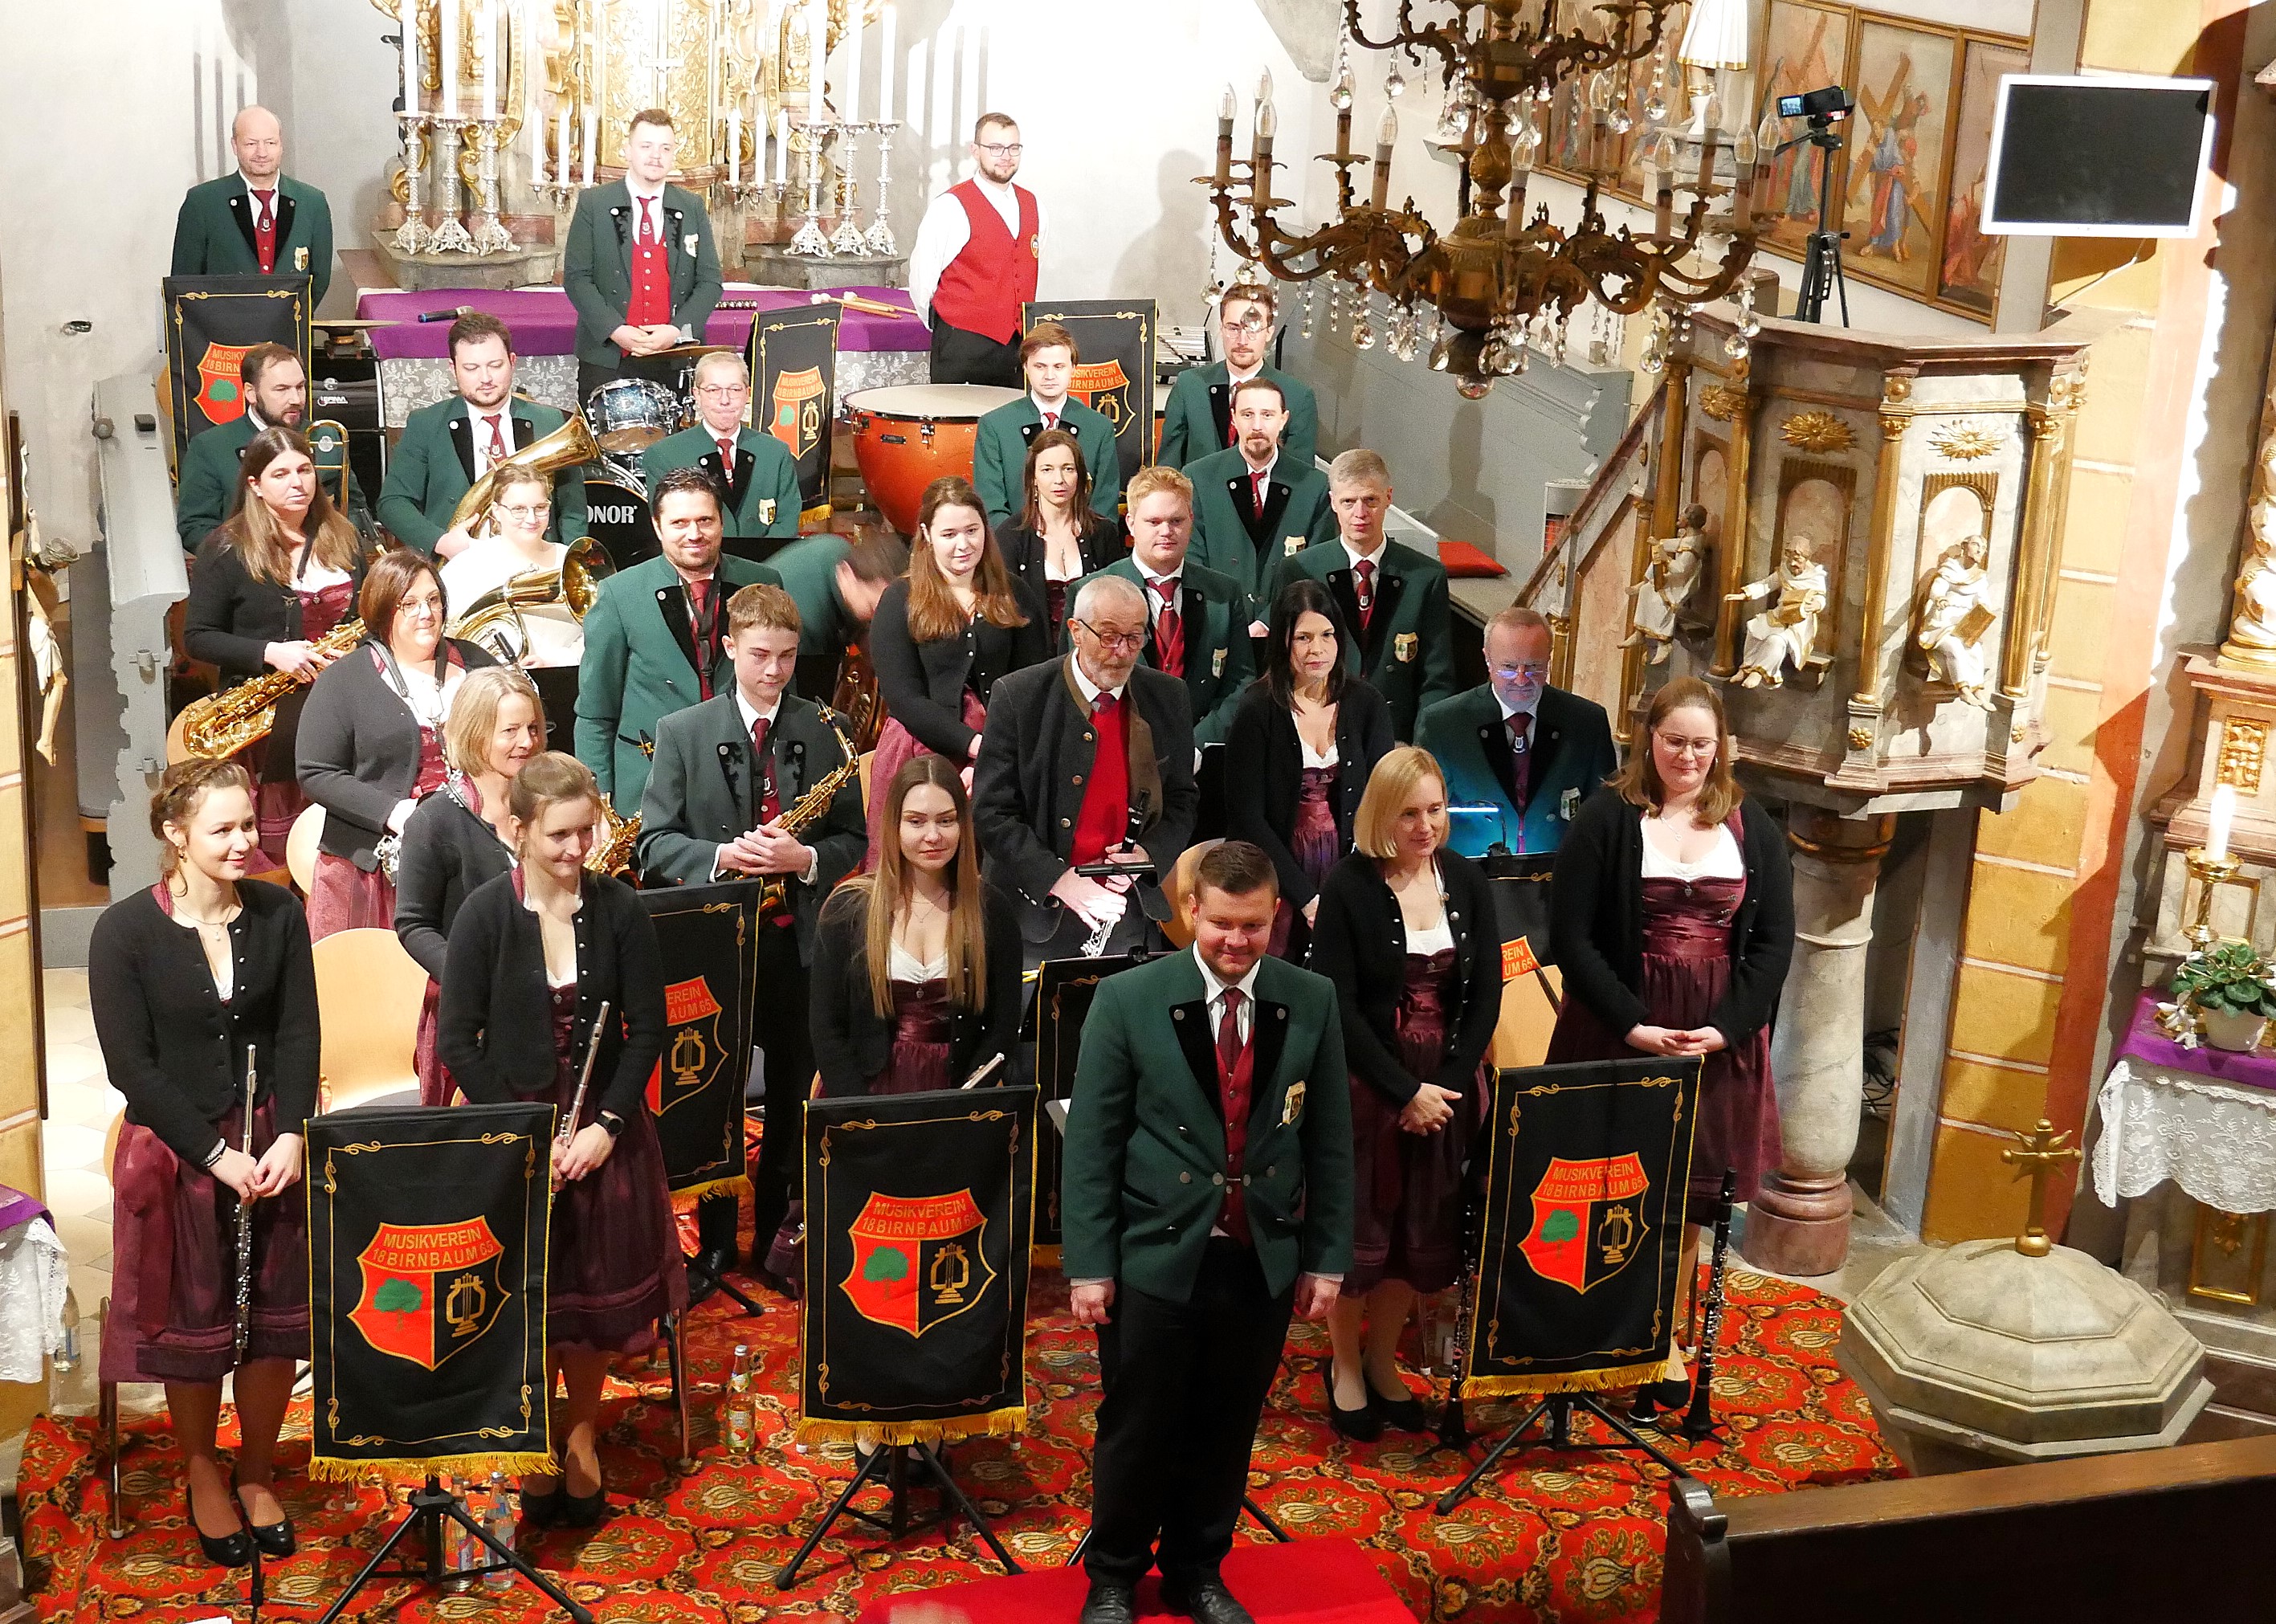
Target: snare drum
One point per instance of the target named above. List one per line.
(627, 415)
(907, 435)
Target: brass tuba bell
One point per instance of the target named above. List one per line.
(566, 447)
(494, 619)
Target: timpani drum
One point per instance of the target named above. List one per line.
(909, 435)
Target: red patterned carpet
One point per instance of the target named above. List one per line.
(1570, 1538)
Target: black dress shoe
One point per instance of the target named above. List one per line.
(274, 1538)
(229, 1550)
(1362, 1425)
(1109, 1603)
(1403, 1414)
(1205, 1601)
(1653, 1397)
(542, 1510)
(583, 1511)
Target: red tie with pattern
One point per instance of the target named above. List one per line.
(699, 615)
(497, 453)
(1256, 485)
(1363, 586)
(1168, 632)
(1234, 1066)
(264, 229)
(770, 798)
(1051, 422)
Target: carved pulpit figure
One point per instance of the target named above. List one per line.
(1953, 619)
(1676, 564)
(1788, 630)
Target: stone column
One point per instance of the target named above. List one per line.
(1799, 1224)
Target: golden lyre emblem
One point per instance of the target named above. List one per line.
(462, 1310)
(1615, 1234)
(688, 1055)
(951, 1273)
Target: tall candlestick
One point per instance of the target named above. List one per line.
(734, 145)
(886, 66)
(782, 147)
(592, 141)
(489, 58)
(817, 44)
(851, 112)
(2224, 812)
(409, 17)
(450, 57)
(563, 171)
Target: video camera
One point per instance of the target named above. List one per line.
(1820, 107)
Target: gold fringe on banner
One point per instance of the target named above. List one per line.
(685, 1200)
(819, 514)
(1661, 1370)
(514, 1463)
(1009, 1423)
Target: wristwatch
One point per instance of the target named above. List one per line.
(612, 1124)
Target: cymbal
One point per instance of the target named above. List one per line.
(701, 349)
(635, 439)
(345, 322)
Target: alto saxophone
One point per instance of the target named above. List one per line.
(221, 724)
(774, 891)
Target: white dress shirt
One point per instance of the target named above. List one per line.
(1358, 558)
(1090, 690)
(478, 424)
(752, 716)
(945, 230)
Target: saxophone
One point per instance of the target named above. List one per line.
(774, 891)
(221, 724)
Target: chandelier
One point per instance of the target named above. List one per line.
(1475, 293)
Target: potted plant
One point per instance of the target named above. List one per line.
(2227, 985)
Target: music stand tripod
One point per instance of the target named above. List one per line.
(1821, 262)
(432, 1510)
(1559, 1407)
(889, 1462)
(698, 1275)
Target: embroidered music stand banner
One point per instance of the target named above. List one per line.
(1574, 1282)
(1064, 989)
(1115, 377)
(427, 1250)
(1520, 894)
(794, 362)
(913, 1324)
(211, 322)
(706, 937)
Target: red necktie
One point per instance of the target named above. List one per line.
(1168, 632)
(1232, 430)
(264, 229)
(727, 458)
(1256, 485)
(1233, 1064)
(1051, 422)
(1364, 579)
(647, 223)
(497, 451)
(769, 798)
(698, 612)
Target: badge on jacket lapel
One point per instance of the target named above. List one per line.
(299, 259)
(1403, 647)
(767, 511)
(1291, 545)
(1216, 664)
(1292, 1103)
(1568, 804)
(693, 239)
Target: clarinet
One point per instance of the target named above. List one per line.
(1699, 1423)
(1132, 829)
(1453, 1424)
(245, 1226)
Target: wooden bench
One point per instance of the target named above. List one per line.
(2161, 1534)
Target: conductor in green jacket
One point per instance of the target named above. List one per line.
(275, 387)
(640, 266)
(755, 470)
(447, 446)
(999, 451)
(258, 222)
(655, 638)
(1206, 1196)
(1198, 419)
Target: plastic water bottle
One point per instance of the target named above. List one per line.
(457, 1545)
(500, 1521)
(69, 1357)
(742, 1410)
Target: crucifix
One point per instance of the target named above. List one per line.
(659, 66)
(2042, 1152)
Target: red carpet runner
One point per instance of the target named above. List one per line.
(1570, 1538)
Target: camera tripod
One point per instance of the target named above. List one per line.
(433, 1509)
(1821, 262)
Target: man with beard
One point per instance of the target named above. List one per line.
(1198, 419)
(276, 394)
(975, 262)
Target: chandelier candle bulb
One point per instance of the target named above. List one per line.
(2218, 822)
(1228, 106)
(1387, 133)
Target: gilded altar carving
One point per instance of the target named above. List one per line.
(1721, 402)
(2243, 754)
(1964, 441)
(1818, 431)
(1953, 619)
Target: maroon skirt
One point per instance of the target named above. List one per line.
(1314, 843)
(343, 896)
(1406, 1208)
(1687, 966)
(435, 1085)
(896, 744)
(173, 1297)
(614, 1266)
(921, 1023)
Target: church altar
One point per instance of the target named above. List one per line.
(873, 350)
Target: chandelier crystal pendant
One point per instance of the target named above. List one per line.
(1475, 292)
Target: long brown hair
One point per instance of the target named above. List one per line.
(1031, 511)
(933, 610)
(886, 893)
(1638, 782)
(260, 540)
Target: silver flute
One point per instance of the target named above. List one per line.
(244, 1224)
(568, 1128)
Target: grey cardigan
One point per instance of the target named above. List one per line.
(360, 749)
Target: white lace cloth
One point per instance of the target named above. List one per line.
(2217, 1142)
(34, 1275)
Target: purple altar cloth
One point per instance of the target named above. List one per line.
(2146, 1044)
(544, 323)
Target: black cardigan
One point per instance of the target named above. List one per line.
(852, 1042)
(1360, 943)
(231, 618)
(448, 851)
(358, 749)
(1596, 917)
(923, 684)
(172, 1047)
(1025, 555)
(1264, 771)
(495, 1027)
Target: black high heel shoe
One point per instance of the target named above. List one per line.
(1363, 1425)
(542, 1510)
(230, 1550)
(1403, 1414)
(582, 1510)
(274, 1538)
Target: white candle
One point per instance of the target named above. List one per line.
(536, 128)
(410, 18)
(489, 58)
(782, 146)
(592, 141)
(886, 66)
(817, 40)
(734, 145)
(852, 111)
(450, 22)
(2224, 813)
(561, 147)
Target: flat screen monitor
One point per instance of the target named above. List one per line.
(2106, 155)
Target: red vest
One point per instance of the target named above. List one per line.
(651, 305)
(1235, 1091)
(1105, 816)
(984, 287)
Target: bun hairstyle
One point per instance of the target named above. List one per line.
(547, 779)
(185, 785)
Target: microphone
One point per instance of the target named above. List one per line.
(451, 314)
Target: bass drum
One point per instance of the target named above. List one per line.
(617, 518)
(909, 435)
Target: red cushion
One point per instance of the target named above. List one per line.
(1461, 558)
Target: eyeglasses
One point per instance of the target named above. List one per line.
(1002, 149)
(1685, 747)
(528, 514)
(1113, 640)
(1536, 669)
(722, 391)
